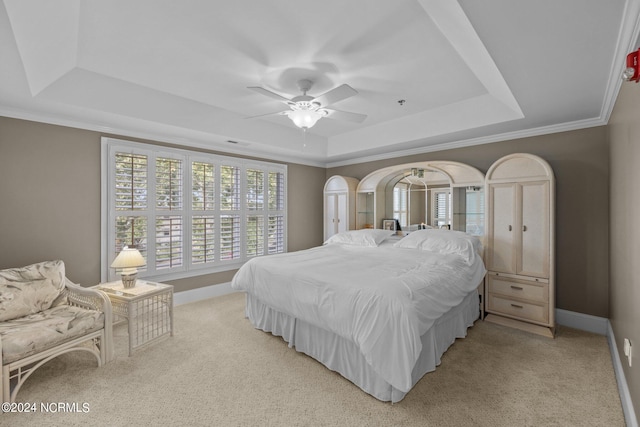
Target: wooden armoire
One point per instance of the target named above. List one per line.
(339, 205)
(520, 283)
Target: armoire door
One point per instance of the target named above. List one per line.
(336, 214)
(342, 213)
(330, 208)
(534, 243)
(502, 228)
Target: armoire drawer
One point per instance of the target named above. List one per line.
(522, 289)
(519, 309)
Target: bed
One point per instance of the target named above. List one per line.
(379, 310)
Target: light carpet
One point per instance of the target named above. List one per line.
(219, 371)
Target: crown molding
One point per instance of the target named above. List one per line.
(544, 130)
(284, 158)
(223, 147)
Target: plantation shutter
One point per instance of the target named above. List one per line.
(169, 213)
(400, 203)
(230, 213)
(203, 221)
(189, 212)
(441, 207)
(131, 202)
(275, 227)
(255, 227)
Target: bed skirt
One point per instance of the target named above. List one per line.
(342, 355)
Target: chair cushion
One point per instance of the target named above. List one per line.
(40, 331)
(30, 289)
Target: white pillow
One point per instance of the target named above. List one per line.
(365, 237)
(444, 242)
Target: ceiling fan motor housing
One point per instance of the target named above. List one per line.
(305, 85)
(304, 102)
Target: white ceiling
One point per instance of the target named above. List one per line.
(470, 71)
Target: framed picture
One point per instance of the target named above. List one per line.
(389, 224)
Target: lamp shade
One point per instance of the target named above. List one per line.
(304, 119)
(128, 258)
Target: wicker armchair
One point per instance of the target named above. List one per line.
(43, 315)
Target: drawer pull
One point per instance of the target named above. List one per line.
(516, 306)
(517, 288)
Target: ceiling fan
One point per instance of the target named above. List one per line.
(306, 110)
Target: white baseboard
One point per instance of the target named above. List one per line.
(198, 294)
(623, 389)
(584, 322)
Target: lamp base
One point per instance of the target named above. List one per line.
(129, 280)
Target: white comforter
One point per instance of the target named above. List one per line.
(381, 298)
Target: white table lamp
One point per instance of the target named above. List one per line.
(128, 260)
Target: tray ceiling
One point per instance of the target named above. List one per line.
(469, 72)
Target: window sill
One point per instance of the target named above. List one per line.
(177, 275)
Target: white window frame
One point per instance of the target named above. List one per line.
(111, 146)
(403, 190)
(435, 218)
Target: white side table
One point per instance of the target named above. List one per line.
(148, 308)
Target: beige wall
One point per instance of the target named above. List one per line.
(50, 192)
(50, 198)
(580, 163)
(624, 258)
(50, 188)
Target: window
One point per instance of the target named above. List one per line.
(275, 210)
(169, 213)
(401, 203)
(441, 202)
(189, 213)
(203, 220)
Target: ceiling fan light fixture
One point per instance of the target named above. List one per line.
(305, 114)
(305, 119)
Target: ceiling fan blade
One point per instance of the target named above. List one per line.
(268, 114)
(346, 116)
(335, 95)
(268, 93)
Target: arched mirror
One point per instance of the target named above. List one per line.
(419, 197)
(414, 195)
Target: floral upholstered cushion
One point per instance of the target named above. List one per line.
(37, 332)
(30, 289)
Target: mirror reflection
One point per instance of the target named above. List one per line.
(434, 193)
(421, 197)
